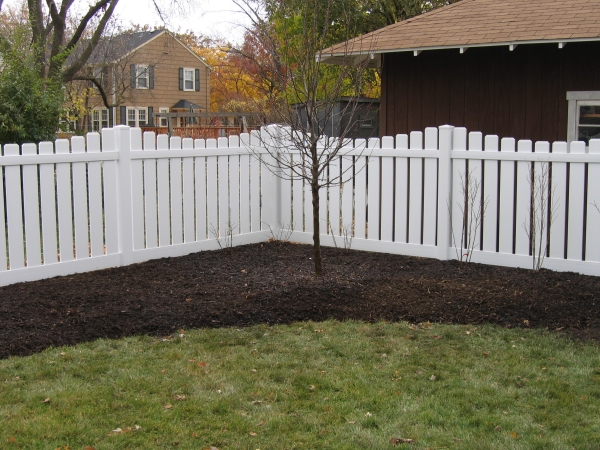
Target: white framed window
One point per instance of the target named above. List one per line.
(137, 117)
(584, 116)
(99, 119)
(189, 80)
(164, 121)
(142, 76)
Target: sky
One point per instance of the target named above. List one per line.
(215, 18)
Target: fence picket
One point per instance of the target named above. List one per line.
(201, 194)
(415, 189)
(334, 196)
(459, 173)
(31, 209)
(476, 180)
(189, 230)
(430, 191)
(164, 197)
(176, 194)
(95, 197)
(234, 192)
(387, 192)
(592, 242)
(373, 198)
(245, 201)
(522, 210)
(559, 192)
(576, 205)
(48, 209)
(360, 189)
(150, 191)
(14, 211)
(80, 206)
(286, 197)
(137, 192)
(402, 180)
(109, 176)
(506, 194)
(212, 189)
(3, 256)
(347, 195)
(63, 196)
(491, 195)
(298, 200)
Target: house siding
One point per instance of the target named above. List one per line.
(520, 94)
(167, 56)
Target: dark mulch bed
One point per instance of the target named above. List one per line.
(274, 283)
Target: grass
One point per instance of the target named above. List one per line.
(311, 385)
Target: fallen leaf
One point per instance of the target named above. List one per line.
(168, 406)
(253, 433)
(89, 447)
(368, 414)
(210, 448)
(513, 435)
(11, 439)
(163, 371)
(486, 354)
(244, 271)
(188, 300)
(261, 423)
(433, 378)
(468, 333)
(311, 387)
(175, 444)
(352, 422)
(253, 370)
(526, 322)
(16, 378)
(396, 441)
(46, 400)
(180, 397)
(498, 428)
(437, 337)
(202, 364)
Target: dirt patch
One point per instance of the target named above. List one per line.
(274, 283)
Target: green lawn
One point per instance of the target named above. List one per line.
(324, 385)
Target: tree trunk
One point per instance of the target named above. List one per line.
(316, 230)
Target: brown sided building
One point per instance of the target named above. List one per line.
(527, 69)
(142, 74)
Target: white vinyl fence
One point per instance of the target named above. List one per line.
(123, 198)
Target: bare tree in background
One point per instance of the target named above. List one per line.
(542, 212)
(62, 45)
(299, 145)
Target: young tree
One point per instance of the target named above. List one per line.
(298, 32)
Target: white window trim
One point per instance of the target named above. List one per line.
(576, 99)
(137, 115)
(99, 111)
(163, 109)
(139, 69)
(188, 69)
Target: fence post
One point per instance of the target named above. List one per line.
(444, 191)
(124, 197)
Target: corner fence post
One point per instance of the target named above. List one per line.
(124, 197)
(444, 191)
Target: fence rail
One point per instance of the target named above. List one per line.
(127, 197)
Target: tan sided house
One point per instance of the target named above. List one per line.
(141, 74)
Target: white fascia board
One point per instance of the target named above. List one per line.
(464, 48)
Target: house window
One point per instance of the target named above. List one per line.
(584, 116)
(137, 117)
(188, 80)
(142, 76)
(99, 119)
(164, 121)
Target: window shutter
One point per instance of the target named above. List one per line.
(151, 77)
(181, 78)
(89, 122)
(150, 116)
(133, 76)
(197, 79)
(111, 119)
(105, 77)
(123, 115)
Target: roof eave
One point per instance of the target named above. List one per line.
(347, 58)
